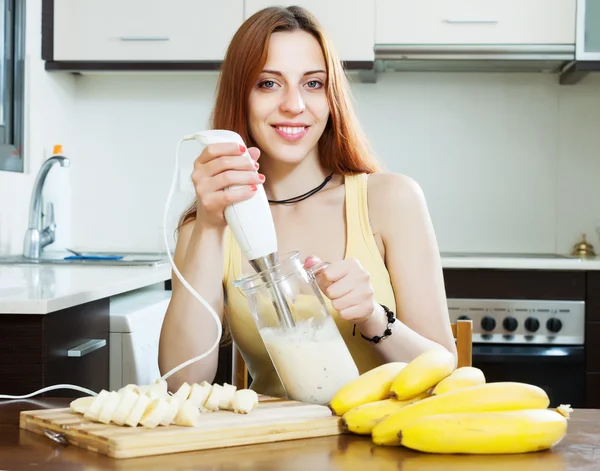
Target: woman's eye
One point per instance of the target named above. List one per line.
(267, 84)
(314, 84)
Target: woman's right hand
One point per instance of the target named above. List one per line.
(219, 166)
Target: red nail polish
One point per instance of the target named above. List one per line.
(256, 165)
(253, 187)
(261, 177)
(242, 148)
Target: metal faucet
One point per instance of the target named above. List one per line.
(36, 237)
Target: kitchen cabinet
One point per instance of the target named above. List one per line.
(349, 23)
(475, 22)
(588, 30)
(70, 346)
(139, 31)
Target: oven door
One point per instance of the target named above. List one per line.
(557, 369)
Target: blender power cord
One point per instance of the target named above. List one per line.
(215, 316)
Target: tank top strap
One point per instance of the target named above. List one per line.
(360, 236)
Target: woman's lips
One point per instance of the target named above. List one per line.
(291, 133)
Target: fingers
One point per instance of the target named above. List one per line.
(254, 153)
(217, 201)
(217, 166)
(220, 149)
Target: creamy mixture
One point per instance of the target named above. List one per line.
(312, 362)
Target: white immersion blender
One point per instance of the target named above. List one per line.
(252, 225)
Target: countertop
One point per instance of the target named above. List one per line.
(33, 289)
(21, 449)
(48, 288)
(519, 261)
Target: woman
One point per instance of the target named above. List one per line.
(283, 90)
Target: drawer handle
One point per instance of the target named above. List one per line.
(474, 22)
(86, 347)
(144, 38)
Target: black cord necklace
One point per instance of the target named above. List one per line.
(296, 199)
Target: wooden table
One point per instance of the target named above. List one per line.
(23, 450)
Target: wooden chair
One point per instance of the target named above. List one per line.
(462, 332)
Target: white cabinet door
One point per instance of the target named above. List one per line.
(349, 24)
(475, 21)
(144, 30)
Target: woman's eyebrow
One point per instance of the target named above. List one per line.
(310, 72)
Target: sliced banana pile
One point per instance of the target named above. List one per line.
(152, 405)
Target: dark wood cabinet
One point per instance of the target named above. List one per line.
(34, 350)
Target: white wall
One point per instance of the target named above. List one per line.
(508, 162)
(49, 120)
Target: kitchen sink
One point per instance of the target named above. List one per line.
(58, 258)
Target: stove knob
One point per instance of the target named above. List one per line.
(532, 324)
(488, 323)
(554, 325)
(463, 318)
(510, 324)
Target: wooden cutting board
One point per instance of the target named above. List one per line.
(272, 421)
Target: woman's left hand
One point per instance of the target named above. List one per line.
(348, 285)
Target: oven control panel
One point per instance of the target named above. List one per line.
(522, 321)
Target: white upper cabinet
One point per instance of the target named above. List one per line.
(475, 21)
(144, 30)
(350, 24)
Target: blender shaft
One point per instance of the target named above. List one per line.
(264, 266)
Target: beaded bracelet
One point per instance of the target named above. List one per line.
(391, 317)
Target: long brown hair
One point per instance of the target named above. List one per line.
(343, 148)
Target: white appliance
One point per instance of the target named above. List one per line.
(135, 322)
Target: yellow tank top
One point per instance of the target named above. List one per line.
(360, 244)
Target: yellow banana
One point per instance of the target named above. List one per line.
(498, 432)
(460, 378)
(482, 398)
(422, 373)
(363, 418)
(373, 385)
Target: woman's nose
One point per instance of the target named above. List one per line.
(293, 101)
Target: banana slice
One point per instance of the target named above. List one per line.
(183, 392)
(82, 404)
(140, 406)
(158, 389)
(199, 393)
(244, 401)
(130, 387)
(173, 408)
(227, 396)
(128, 399)
(95, 407)
(155, 412)
(188, 415)
(214, 398)
(109, 407)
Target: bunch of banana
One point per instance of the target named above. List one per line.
(497, 432)
(500, 396)
(152, 405)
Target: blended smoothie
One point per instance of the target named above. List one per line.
(311, 359)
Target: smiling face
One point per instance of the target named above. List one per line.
(288, 107)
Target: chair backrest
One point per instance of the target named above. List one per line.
(462, 332)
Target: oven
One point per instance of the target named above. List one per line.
(539, 342)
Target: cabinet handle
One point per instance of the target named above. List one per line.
(474, 22)
(86, 347)
(144, 38)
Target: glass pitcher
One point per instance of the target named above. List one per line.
(310, 357)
